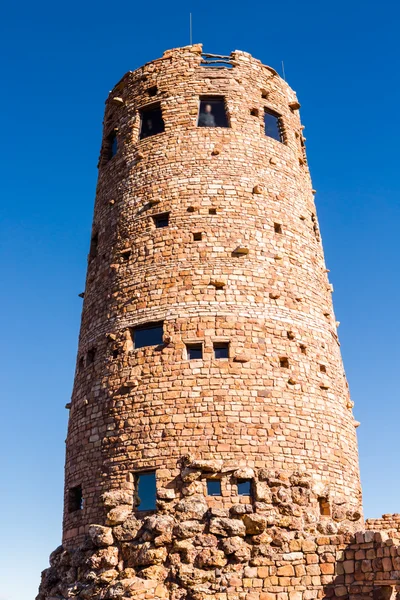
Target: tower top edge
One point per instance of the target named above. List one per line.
(195, 52)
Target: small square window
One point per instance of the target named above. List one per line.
(152, 91)
(277, 228)
(151, 121)
(150, 334)
(284, 362)
(194, 351)
(221, 350)
(146, 490)
(197, 236)
(212, 112)
(75, 499)
(161, 220)
(244, 487)
(212, 211)
(213, 487)
(272, 125)
(322, 368)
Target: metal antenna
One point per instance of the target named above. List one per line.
(283, 71)
(190, 29)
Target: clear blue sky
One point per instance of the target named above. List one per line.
(59, 62)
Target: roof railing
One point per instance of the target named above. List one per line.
(216, 60)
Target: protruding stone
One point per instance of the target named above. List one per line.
(119, 514)
(101, 536)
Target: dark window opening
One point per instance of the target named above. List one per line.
(90, 356)
(152, 91)
(244, 487)
(75, 499)
(303, 349)
(190, 209)
(146, 490)
(151, 121)
(194, 351)
(94, 243)
(272, 125)
(322, 368)
(324, 508)
(213, 487)
(277, 228)
(126, 254)
(264, 94)
(212, 112)
(212, 211)
(254, 112)
(150, 334)
(115, 353)
(284, 362)
(111, 145)
(221, 350)
(161, 220)
(197, 236)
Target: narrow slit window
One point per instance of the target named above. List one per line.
(146, 490)
(161, 220)
(151, 121)
(212, 112)
(272, 125)
(111, 145)
(94, 243)
(197, 236)
(244, 487)
(75, 499)
(150, 334)
(213, 487)
(324, 507)
(221, 350)
(90, 356)
(303, 349)
(194, 351)
(277, 228)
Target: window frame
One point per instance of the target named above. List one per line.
(137, 477)
(146, 109)
(209, 99)
(159, 216)
(219, 345)
(194, 346)
(279, 120)
(146, 327)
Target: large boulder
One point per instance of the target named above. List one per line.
(101, 536)
(254, 524)
(210, 557)
(192, 507)
(119, 514)
(227, 527)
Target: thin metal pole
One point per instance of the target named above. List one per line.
(283, 71)
(190, 29)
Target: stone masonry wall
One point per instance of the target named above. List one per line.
(256, 279)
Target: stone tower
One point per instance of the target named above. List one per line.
(210, 424)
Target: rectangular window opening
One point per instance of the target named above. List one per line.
(161, 220)
(94, 243)
(322, 368)
(197, 236)
(212, 211)
(194, 351)
(212, 112)
(277, 228)
(151, 121)
(273, 125)
(244, 487)
(90, 356)
(152, 91)
(146, 490)
(213, 487)
(150, 334)
(284, 362)
(254, 112)
(324, 507)
(221, 350)
(303, 349)
(75, 499)
(111, 145)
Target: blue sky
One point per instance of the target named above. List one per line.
(59, 62)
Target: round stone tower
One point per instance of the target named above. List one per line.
(208, 341)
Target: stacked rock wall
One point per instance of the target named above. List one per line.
(239, 262)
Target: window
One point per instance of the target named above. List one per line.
(150, 334)
(151, 121)
(90, 356)
(322, 368)
(284, 362)
(221, 350)
(272, 125)
(75, 499)
(197, 236)
(152, 91)
(161, 220)
(212, 211)
(111, 146)
(244, 487)
(94, 242)
(213, 487)
(324, 507)
(277, 228)
(212, 112)
(254, 112)
(194, 351)
(146, 490)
